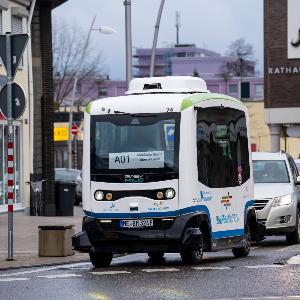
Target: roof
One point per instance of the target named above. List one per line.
(268, 155)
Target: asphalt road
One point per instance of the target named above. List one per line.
(264, 274)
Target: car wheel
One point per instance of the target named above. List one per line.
(100, 259)
(245, 250)
(294, 237)
(156, 255)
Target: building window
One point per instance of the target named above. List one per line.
(222, 147)
(232, 88)
(78, 89)
(102, 92)
(259, 90)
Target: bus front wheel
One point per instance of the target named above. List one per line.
(100, 259)
(192, 257)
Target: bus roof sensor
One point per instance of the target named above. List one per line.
(168, 84)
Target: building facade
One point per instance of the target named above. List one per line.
(282, 69)
(189, 60)
(34, 146)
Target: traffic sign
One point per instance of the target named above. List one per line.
(18, 44)
(75, 129)
(18, 101)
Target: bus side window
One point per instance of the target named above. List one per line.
(222, 147)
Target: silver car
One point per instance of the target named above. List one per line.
(277, 194)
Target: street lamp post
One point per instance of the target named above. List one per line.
(152, 64)
(128, 41)
(105, 30)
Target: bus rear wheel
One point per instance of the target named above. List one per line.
(243, 251)
(100, 259)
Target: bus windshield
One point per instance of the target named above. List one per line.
(124, 143)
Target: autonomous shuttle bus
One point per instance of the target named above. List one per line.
(166, 168)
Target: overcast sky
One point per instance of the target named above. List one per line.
(212, 24)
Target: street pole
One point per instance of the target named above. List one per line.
(73, 95)
(128, 40)
(156, 29)
(10, 149)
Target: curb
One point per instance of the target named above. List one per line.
(54, 264)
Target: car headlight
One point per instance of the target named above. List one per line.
(170, 193)
(98, 195)
(283, 200)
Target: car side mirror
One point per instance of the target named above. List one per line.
(297, 180)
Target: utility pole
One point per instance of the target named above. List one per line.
(128, 41)
(177, 25)
(156, 29)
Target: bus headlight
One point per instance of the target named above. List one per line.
(170, 193)
(283, 200)
(98, 195)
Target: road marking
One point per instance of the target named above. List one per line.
(60, 276)
(263, 298)
(160, 270)
(98, 296)
(264, 266)
(211, 268)
(13, 279)
(289, 248)
(45, 269)
(110, 272)
(295, 260)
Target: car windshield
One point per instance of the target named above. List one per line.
(125, 143)
(66, 174)
(270, 171)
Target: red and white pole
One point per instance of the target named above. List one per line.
(10, 174)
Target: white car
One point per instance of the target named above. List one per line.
(277, 194)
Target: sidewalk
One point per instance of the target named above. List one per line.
(26, 240)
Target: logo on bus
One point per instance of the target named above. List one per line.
(225, 219)
(226, 200)
(133, 179)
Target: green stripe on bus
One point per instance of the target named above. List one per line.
(190, 101)
(88, 108)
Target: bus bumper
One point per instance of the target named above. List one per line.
(103, 237)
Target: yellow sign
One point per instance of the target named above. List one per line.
(61, 134)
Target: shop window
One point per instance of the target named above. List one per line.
(102, 92)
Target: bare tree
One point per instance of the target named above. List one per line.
(67, 45)
(241, 52)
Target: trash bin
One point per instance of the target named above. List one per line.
(64, 198)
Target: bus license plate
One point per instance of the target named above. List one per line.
(136, 223)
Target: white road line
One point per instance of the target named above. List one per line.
(289, 248)
(160, 270)
(264, 266)
(60, 276)
(45, 269)
(211, 268)
(263, 298)
(13, 279)
(110, 272)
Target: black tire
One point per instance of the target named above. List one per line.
(192, 257)
(156, 255)
(243, 251)
(293, 238)
(100, 259)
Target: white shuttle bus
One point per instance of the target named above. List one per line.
(167, 168)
